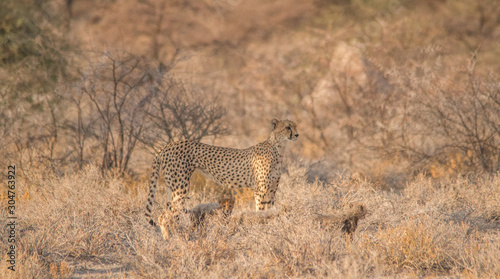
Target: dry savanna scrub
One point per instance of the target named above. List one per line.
(87, 225)
(395, 173)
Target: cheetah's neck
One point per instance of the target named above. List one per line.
(278, 146)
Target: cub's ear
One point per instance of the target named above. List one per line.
(274, 122)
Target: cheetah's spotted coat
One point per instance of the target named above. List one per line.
(258, 167)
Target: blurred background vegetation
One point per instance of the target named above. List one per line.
(385, 89)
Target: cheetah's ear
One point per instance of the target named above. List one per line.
(274, 122)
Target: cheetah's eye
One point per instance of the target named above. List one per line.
(289, 129)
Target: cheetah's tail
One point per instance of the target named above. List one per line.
(152, 190)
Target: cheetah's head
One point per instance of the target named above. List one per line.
(284, 130)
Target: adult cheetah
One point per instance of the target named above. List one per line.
(258, 167)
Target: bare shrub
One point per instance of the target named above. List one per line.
(451, 123)
(115, 88)
(407, 118)
(122, 101)
(181, 111)
(465, 117)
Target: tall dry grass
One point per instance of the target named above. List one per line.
(86, 225)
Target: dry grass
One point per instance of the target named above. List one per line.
(85, 225)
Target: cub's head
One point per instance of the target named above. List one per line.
(226, 204)
(283, 130)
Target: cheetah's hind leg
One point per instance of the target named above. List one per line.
(165, 221)
(173, 219)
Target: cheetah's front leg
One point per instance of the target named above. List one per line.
(269, 198)
(264, 196)
(259, 195)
